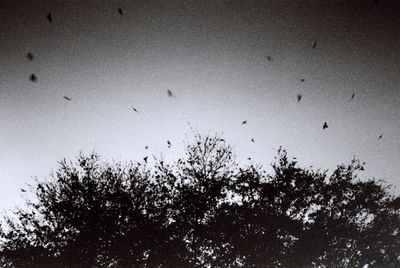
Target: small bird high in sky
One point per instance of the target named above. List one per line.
(252, 140)
(145, 159)
(33, 78)
(67, 98)
(170, 94)
(133, 108)
(380, 136)
(315, 44)
(120, 11)
(169, 144)
(325, 125)
(244, 122)
(269, 58)
(29, 56)
(352, 96)
(299, 97)
(49, 18)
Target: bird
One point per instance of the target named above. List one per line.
(325, 125)
(222, 140)
(252, 140)
(299, 97)
(23, 190)
(249, 158)
(146, 147)
(29, 56)
(133, 108)
(120, 11)
(315, 44)
(169, 92)
(352, 96)
(302, 79)
(33, 78)
(49, 17)
(244, 122)
(67, 98)
(169, 144)
(269, 58)
(380, 136)
(145, 159)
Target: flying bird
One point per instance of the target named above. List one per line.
(120, 11)
(269, 58)
(29, 56)
(244, 122)
(380, 136)
(352, 96)
(145, 159)
(67, 98)
(133, 108)
(23, 190)
(252, 140)
(325, 125)
(169, 144)
(146, 147)
(302, 79)
(49, 17)
(299, 97)
(249, 158)
(315, 44)
(33, 78)
(169, 92)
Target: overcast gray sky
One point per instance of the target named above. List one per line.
(213, 56)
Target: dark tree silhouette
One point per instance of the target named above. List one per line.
(204, 210)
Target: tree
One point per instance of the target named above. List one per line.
(204, 210)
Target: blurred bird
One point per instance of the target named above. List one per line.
(302, 79)
(252, 140)
(146, 147)
(169, 92)
(23, 190)
(325, 125)
(30, 56)
(249, 158)
(299, 97)
(380, 136)
(315, 44)
(352, 96)
(269, 58)
(244, 122)
(67, 98)
(33, 78)
(120, 11)
(145, 159)
(222, 140)
(169, 144)
(49, 17)
(133, 108)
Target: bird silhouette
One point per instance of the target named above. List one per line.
(145, 159)
(33, 78)
(244, 122)
(325, 125)
(315, 44)
(169, 144)
(302, 80)
(133, 108)
(248, 158)
(269, 58)
(299, 97)
(380, 136)
(23, 190)
(252, 140)
(49, 18)
(352, 96)
(169, 92)
(146, 147)
(67, 98)
(222, 140)
(120, 11)
(29, 56)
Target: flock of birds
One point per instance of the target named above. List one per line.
(170, 94)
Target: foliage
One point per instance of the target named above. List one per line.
(203, 211)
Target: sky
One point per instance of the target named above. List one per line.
(213, 56)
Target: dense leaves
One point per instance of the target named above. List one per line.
(204, 210)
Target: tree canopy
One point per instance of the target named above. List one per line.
(203, 210)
